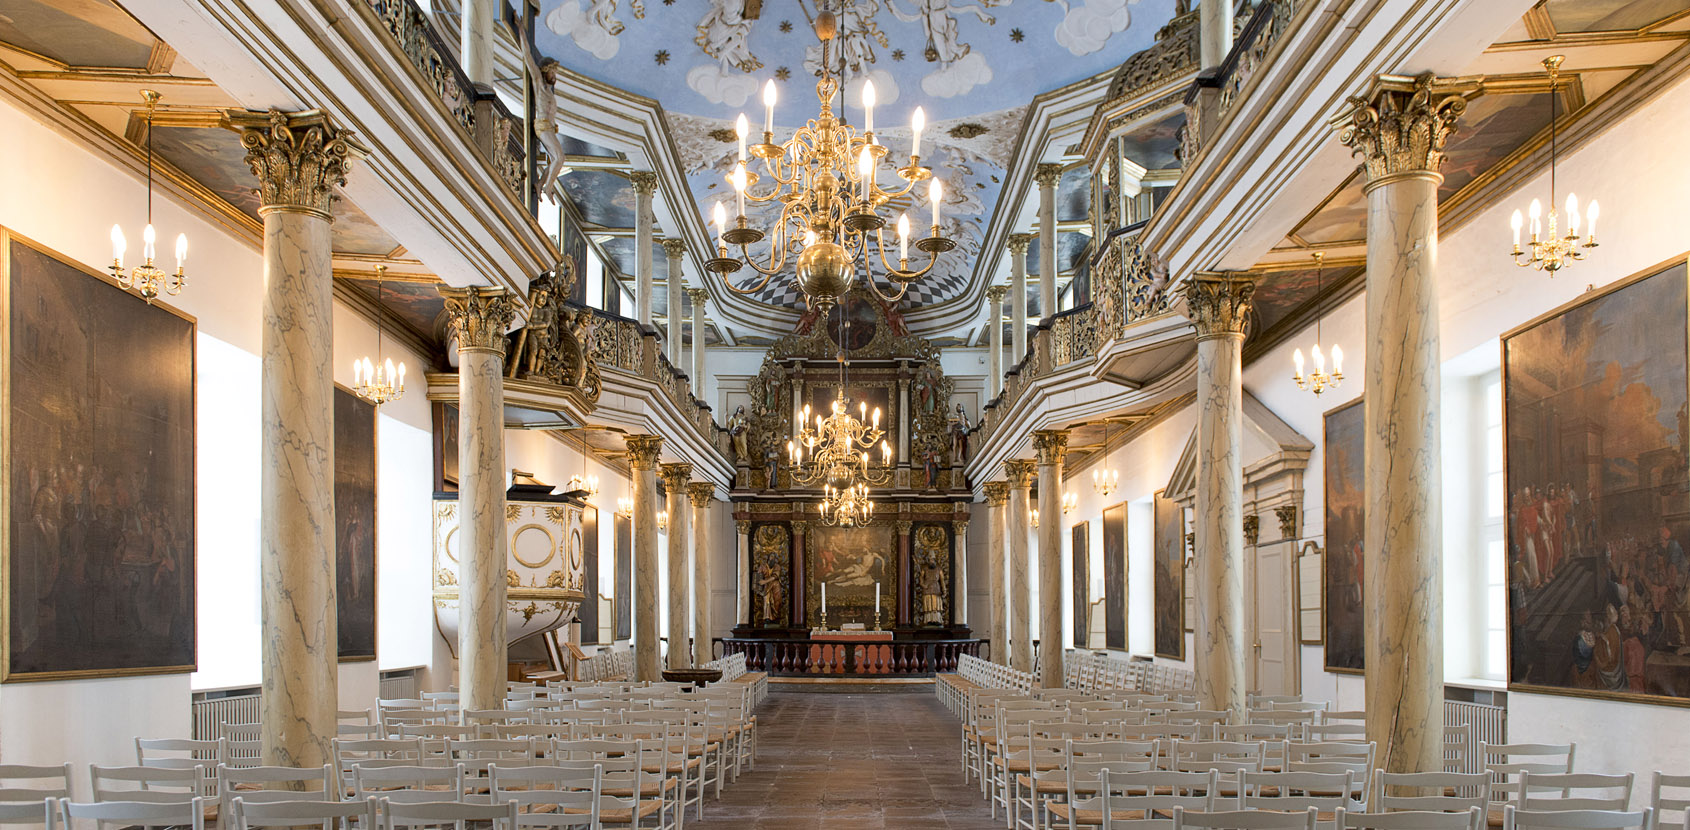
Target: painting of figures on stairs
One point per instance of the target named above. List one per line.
(1595, 493)
(1346, 510)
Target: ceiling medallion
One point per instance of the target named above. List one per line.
(825, 182)
(1548, 252)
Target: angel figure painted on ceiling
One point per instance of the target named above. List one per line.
(594, 28)
(858, 35)
(725, 35)
(960, 69)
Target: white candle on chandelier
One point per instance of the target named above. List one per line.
(862, 408)
(1516, 222)
(1319, 359)
(118, 245)
(1591, 215)
(769, 106)
(149, 238)
(877, 417)
(742, 128)
(1337, 360)
(1297, 358)
(903, 238)
(357, 372)
(1536, 210)
(1572, 215)
(868, 106)
(739, 179)
(720, 214)
(935, 194)
(181, 250)
(918, 122)
(865, 171)
(886, 453)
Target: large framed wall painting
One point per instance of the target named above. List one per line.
(588, 615)
(1345, 443)
(1169, 610)
(1115, 576)
(1080, 550)
(355, 525)
(1596, 417)
(622, 598)
(97, 431)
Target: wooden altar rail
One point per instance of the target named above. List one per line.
(837, 658)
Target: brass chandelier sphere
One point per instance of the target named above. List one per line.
(825, 273)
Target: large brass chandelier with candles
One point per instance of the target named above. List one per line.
(1550, 251)
(826, 181)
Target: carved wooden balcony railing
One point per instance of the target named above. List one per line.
(619, 344)
(485, 120)
(895, 658)
(1261, 30)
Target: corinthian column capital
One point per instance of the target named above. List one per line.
(1021, 472)
(645, 182)
(299, 158)
(1219, 303)
(1047, 175)
(701, 493)
(1018, 243)
(996, 293)
(675, 476)
(674, 248)
(1051, 445)
(997, 493)
(1400, 125)
(643, 451)
(478, 316)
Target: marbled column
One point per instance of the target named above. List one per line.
(1047, 176)
(959, 612)
(698, 296)
(906, 591)
(475, 43)
(1220, 310)
(702, 494)
(675, 478)
(997, 494)
(742, 591)
(479, 317)
(1018, 244)
(643, 451)
(674, 249)
(645, 184)
(1399, 130)
(296, 478)
(1214, 31)
(1051, 445)
(994, 353)
(1020, 473)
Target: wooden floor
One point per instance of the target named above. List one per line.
(845, 757)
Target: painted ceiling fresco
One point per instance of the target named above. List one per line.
(970, 64)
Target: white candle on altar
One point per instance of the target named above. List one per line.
(877, 600)
(824, 597)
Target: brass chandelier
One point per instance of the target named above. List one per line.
(1547, 251)
(826, 184)
(378, 382)
(849, 508)
(1319, 380)
(147, 279)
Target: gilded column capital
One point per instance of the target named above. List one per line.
(902, 526)
(744, 526)
(1252, 529)
(960, 528)
(701, 493)
(478, 316)
(643, 451)
(1020, 472)
(299, 158)
(1047, 174)
(674, 248)
(801, 526)
(1400, 125)
(1019, 242)
(1287, 514)
(645, 182)
(1219, 303)
(699, 297)
(675, 476)
(997, 493)
(1051, 445)
(996, 293)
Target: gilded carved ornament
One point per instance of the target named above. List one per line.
(1021, 472)
(1019, 242)
(299, 159)
(902, 526)
(1047, 175)
(743, 526)
(997, 493)
(996, 293)
(1051, 445)
(674, 248)
(1287, 514)
(478, 316)
(675, 476)
(701, 493)
(643, 451)
(1252, 529)
(1219, 303)
(1401, 125)
(644, 181)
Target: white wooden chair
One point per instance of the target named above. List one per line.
(151, 785)
(401, 785)
(26, 790)
(1142, 800)
(1664, 803)
(1505, 762)
(442, 814)
(1576, 791)
(1289, 792)
(549, 796)
(246, 814)
(262, 785)
(1514, 818)
(1243, 820)
(187, 815)
(185, 753)
(1472, 819)
(1447, 792)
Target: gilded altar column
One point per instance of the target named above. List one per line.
(1220, 310)
(994, 353)
(800, 590)
(1020, 472)
(742, 592)
(997, 493)
(1051, 445)
(959, 608)
(643, 451)
(1018, 244)
(674, 249)
(1047, 175)
(1398, 129)
(479, 317)
(698, 296)
(298, 159)
(645, 184)
(906, 586)
(675, 478)
(701, 493)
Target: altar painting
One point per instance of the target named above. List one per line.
(850, 561)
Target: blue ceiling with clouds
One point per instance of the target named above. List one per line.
(972, 65)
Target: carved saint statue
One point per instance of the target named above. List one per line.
(771, 468)
(930, 582)
(739, 431)
(771, 577)
(535, 343)
(959, 436)
(930, 464)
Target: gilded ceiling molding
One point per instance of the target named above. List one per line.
(997, 493)
(298, 158)
(1400, 126)
(701, 493)
(478, 316)
(1051, 445)
(675, 475)
(643, 451)
(1020, 472)
(1219, 303)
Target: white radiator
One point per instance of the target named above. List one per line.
(211, 713)
(399, 685)
(1490, 726)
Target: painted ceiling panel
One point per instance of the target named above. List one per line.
(77, 32)
(1611, 15)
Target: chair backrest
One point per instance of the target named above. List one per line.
(376, 752)
(1331, 756)
(1472, 819)
(1279, 716)
(1458, 747)
(1675, 803)
(1514, 818)
(1505, 762)
(1225, 757)
(1297, 706)
(1133, 800)
(1244, 820)
(258, 784)
(550, 796)
(1294, 791)
(455, 814)
(152, 785)
(1335, 731)
(1573, 791)
(23, 783)
(409, 784)
(189, 814)
(27, 812)
(185, 753)
(246, 813)
(244, 743)
(1450, 792)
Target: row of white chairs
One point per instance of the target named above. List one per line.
(1089, 671)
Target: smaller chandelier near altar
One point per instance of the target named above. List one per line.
(825, 180)
(833, 455)
(1548, 250)
(147, 279)
(1319, 380)
(378, 382)
(847, 508)
(1070, 502)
